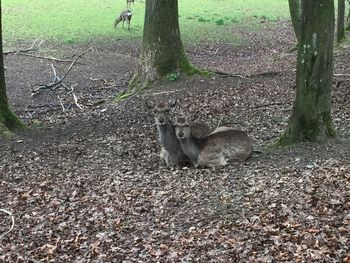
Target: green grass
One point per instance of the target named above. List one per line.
(74, 21)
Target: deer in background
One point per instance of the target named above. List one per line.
(128, 2)
(124, 16)
(171, 152)
(220, 147)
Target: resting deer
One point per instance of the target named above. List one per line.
(171, 152)
(218, 148)
(124, 16)
(128, 2)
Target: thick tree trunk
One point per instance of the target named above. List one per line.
(311, 118)
(162, 51)
(340, 21)
(8, 121)
(295, 15)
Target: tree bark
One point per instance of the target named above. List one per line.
(295, 15)
(162, 51)
(8, 121)
(347, 27)
(311, 117)
(340, 21)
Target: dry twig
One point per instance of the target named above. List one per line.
(76, 102)
(63, 108)
(219, 122)
(56, 84)
(268, 104)
(12, 224)
(31, 48)
(44, 57)
(341, 75)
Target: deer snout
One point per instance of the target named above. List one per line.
(180, 134)
(161, 120)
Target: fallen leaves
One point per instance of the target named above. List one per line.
(92, 188)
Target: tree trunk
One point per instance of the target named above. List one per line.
(347, 27)
(8, 121)
(295, 15)
(311, 117)
(340, 21)
(162, 51)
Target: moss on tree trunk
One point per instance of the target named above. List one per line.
(8, 121)
(311, 117)
(162, 51)
(340, 21)
(347, 26)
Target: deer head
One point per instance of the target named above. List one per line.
(161, 110)
(182, 127)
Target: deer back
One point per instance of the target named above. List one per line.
(223, 145)
(200, 129)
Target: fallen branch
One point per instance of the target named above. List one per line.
(164, 92)
(43, 57)
(269, 104)
(45, 110)
(31, 48)
(225, 74)
(266, 74)
(341, 75)
(12, 224)
(58, 81)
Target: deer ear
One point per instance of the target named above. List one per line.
(193, 117)
(172, 103)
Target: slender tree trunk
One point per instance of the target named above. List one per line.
(162, 51)
(8, 121)
(340, 21)
(311, 117)
(347, 27)
(295, 15)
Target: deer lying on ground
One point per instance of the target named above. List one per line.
(218, 148)
(125, 16)
(128, 2)
(171, 152)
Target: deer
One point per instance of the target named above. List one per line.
(223, 145)
(171, 152)
(128, 2)
(124, 16)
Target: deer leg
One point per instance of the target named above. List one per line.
(123, 24)
(128, 24)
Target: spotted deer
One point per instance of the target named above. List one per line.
(171, 152)
(125, 16)
(128, 2)
(223, 145)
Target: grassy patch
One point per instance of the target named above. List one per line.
(80, 20)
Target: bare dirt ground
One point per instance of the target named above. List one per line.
(87, 185)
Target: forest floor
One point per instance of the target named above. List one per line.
(87, 185)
